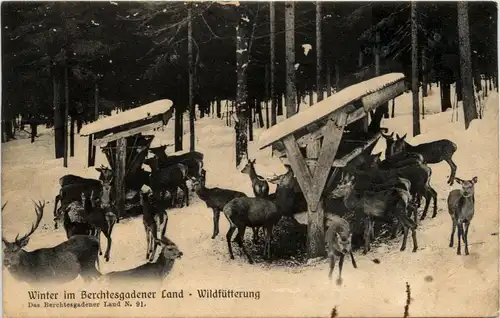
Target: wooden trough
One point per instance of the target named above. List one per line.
(120, 137)
(320, 130)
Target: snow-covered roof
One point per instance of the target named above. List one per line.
(326, 107)
(129, 116)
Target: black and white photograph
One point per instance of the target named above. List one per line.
(250, 159)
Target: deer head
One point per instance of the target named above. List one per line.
(169, 250)
(105, 173)
(284, 180)
(106, 193)
(12, 251)
(248, 167)
(344, 242)
(399, 145)
(344, 187)
(389, 142)
(467, 186)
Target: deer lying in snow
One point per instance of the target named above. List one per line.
(461, 209)
(150, 272)
(58, 264)
(338, 244)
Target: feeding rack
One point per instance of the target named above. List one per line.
(120, 137)
(313, 142)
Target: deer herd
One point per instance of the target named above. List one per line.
(388, 190)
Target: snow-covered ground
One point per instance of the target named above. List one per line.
(442, 283)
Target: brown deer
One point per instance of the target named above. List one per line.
(150, 272)
(461, 209)
(59, 264)
(384, 203)
(389, 142)
(154, 219)
(338, 243)
(432, 152)
(259, 184)
(101, 216)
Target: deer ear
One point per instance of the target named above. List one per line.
(391, 135)
(460, 181)
(98, 169)
(397, 136)
(253, 161)
(404, 137)
(378, 155)
(474, 180)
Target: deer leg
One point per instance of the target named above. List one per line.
(239, 240)
(216, 222)
(434, 197)
(98, 234)
(459, 236)
(332, 266)
(164, 226)
(341, 263)
(367, 235)
(453, 167)
(396, 229)
(466, 238)
(414, 238)
(229, 235)
(255, 231)
(405, 237)
(353, 260)
(186, 192)
(108, 249)
(269, 234)
(453, 226)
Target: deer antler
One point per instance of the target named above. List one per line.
(39, 214)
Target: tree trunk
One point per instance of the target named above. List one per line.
(250, 108)
(328, 80)
(377, 53)
(458, 89)
(72, 137)
(266, 92)
(469, 106)
(311, 96)
(58, 116)
(414, 67)
(290, 58)
(393, 107)
(191, 83)
(258, 113)
(242, 56)
(79, 125)
(424, 73)
(96, 117)
(272, 26)
(218, 107)
(280, 105)
(445, 96)
(319, 85)
(178, 129)
(66, 115)
(360, 59)
(337, 77)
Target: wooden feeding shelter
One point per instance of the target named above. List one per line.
(315, 140)
(120, 137)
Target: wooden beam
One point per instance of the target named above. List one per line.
(89, 152)
(120, 170)
(299, 166)
(104, 140)
(342, 162)
(327, 156)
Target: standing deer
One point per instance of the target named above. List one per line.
(432, 152)
(59, 264)
(385, 203)
(389, 142)
(338, 240)
(259, 184)
(154, 219)
(461, 209)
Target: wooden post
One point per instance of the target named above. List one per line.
(328, 80)
(120, 168)
(66, 115)
(96, 117)
(313, 183)
(90, 153)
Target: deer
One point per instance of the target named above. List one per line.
(338, 243)
(243, 212)
(168, 179)
(389, 142)
(461, 209)
(58, 264)
(432, 152)
(215, 199)
(101, 216)
(259, 184)
(150, 272)
(192, 160)
(154, 220)
(384, 203)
